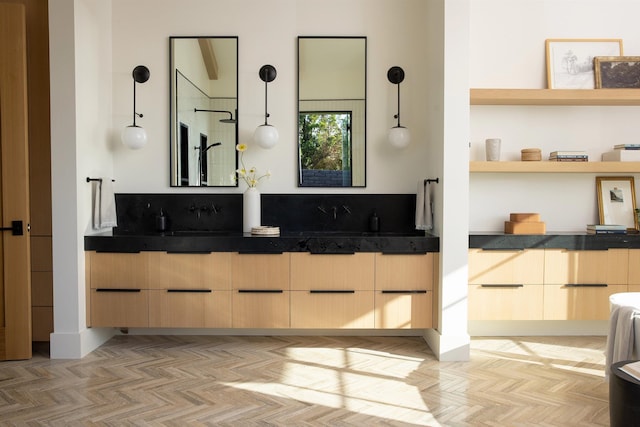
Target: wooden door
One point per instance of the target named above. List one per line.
(15, 263)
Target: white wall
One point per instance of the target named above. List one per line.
(267, 34)
(508, 51)
(80, 116)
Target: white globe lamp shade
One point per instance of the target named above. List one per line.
(134, 137)
(399, 136)
(266, 136)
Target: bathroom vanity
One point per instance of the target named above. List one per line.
(222, 278)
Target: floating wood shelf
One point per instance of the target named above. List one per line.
(612, 97)
(555, 167)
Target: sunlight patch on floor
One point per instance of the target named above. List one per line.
(362, 381)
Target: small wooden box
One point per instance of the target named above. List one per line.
(530, 227)
(530, 154)
(524, 217)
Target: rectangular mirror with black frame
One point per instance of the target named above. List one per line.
(204, 111)
(332, 87)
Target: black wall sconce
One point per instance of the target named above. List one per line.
(399, 136)
(134, 136)
(266, 136)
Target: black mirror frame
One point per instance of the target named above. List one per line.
(299, 166)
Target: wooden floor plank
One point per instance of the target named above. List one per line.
(306, 381)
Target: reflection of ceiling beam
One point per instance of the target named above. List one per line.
(209, 57)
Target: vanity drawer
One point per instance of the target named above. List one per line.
(332, 309)
(260, 271)
(119, 308)
(332, 272)
(609, 267)
(506, 266)
(404, 309)
(404, 272)
(579, 302)
(506, 302)
(189, 308)
(119, 270)
(260, 308)
(190, 271)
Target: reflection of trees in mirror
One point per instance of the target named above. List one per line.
(325, 145)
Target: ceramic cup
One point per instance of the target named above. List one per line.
(492, 146)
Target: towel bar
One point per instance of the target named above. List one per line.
(97, 180)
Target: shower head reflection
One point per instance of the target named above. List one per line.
(229, 120)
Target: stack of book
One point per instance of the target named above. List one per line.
(623, 153)
(627, 146)
(606, 229)
(568, 156)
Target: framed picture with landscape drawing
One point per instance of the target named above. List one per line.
(617, 72)
(617, 200)
(570, 61)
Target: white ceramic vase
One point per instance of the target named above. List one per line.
(250, 209)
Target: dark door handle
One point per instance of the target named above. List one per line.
(16, 228)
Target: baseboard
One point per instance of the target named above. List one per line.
(514, 328)
(76, 345)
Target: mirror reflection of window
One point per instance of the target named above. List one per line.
(325, 149)
(332, 83)
(204, 89)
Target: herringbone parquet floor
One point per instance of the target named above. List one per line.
(308, 381)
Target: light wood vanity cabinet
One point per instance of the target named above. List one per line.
(332, 291)
(233, 290)
(506, 284)
(119, 289)
(572, 285)
(190, 290)
(404, 291)
(260, 290)
(578, 283)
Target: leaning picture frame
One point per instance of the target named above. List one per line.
(617, 201)
(570, 61)
(617, 72)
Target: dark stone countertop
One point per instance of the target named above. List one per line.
(314, 242)
(570, 241)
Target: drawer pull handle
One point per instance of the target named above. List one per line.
(260, 291)
(506, 285)
(404, 292)
(330, 291)
(405, 253)
(116, 290)
(503, 249)
(203, 291)
(333, 253)
(586, 285)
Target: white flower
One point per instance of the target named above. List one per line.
(250, 178)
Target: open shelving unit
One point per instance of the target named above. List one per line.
(555, 167)
(551, 97)
(611, 97)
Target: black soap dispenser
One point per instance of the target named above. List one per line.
(161, 221)
(374, 222)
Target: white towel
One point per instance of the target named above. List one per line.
(424, 214)
(621, 337)
(104, 205)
